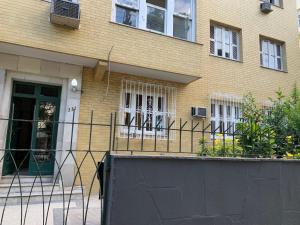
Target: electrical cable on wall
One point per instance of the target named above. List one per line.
(108, 73)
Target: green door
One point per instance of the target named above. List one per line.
(32, 135)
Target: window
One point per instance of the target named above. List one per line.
(224, 42)
(146, 106)
(224, 116)
(156, 15)
(299, 21)
(271, 54)
(274, 2)
(171, 17)
(127, 12)
(182, 20)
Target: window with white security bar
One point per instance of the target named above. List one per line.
(271, 54)
(146, 106)
(224, 42)
(170, 17)
(224, 116)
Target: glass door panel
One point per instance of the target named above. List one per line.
(43, 155)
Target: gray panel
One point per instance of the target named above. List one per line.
(187, 191)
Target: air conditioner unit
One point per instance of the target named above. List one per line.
(266, 7)
(66, 13)
(199, 112)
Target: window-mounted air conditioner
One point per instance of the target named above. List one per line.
(199, 112)
(66, 13)
(266, 7)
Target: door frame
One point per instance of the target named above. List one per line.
(38, 99)
(69, 100)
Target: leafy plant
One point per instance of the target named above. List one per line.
(254, 136)
(221, 147)
(260, 134)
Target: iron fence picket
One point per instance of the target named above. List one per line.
(187, 131)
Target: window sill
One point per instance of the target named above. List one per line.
(232, 60)
(156, 33)
(280, 71)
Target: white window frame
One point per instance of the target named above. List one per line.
(122, 5)
(169, 15)
(232, 120)
(165, 21)
(268, 50)
(214, 41)
(135, 88)
(274, 2)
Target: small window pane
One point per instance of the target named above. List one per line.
(235, 52)
(183, 7)
(127, 118)
(278, 50)
(212, 32)
(227, 39)
(221, 127)
(219, 49)
(50, 91)
(279, 64)
(227, 51)
(156, 19)
(24, 89)
(131, 3)
(219, 34)
(160, 3)
(236, 112)
(229, 128)
(265, 46)
(160, 104)
(265, 60)
(221, 113)
(213, 110)
(271, 49)
(182, 28)
(127, 100)
(212, 47)
(228, 111)
(234, 38)
(149, 125)
(126, 16)
(213, 126)
(138, 114)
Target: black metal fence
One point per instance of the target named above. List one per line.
(60, 185)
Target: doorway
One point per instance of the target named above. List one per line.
(32, 129)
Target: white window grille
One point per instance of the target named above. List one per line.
(148, 107)
(271, 54)
(225, 113)
(224, 42)
(171, 17)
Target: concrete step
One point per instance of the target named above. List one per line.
(27, 187)
(58, 195)
(25, 179)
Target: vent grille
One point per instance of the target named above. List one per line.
(66, 8)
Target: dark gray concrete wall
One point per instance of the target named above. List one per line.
(181, 191)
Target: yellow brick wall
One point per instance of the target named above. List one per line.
(27, 23)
